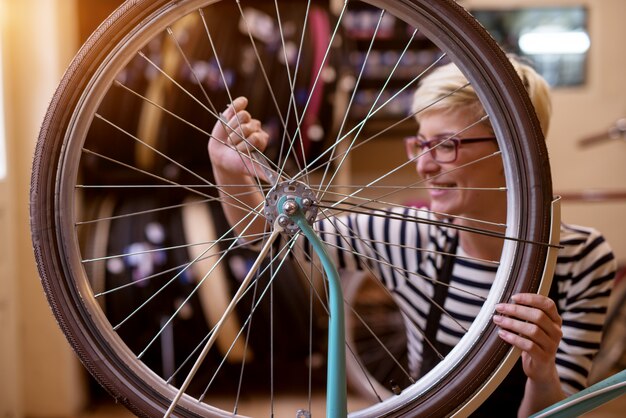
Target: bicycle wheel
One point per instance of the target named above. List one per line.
(133, 114)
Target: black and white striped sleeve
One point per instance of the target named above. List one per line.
(584, 278)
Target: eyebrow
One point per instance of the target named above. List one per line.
(445, 135)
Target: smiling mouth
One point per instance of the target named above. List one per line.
(442, 186)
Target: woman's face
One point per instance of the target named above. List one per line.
(452, 185)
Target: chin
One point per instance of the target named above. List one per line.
(441, 210)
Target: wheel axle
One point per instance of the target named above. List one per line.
(288, 199)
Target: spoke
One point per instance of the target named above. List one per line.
(231, 307)
(185, 121)
(137, 282)
(310, 368)
(332, 205)
(138, 170)
(364, 372)
(163, 109)
(263, 71)
(396, 216)
(248, 326)
(349, 106)
(371, 243)
(339, 140)
(380, 344)
(195, 99)
(314, 266)
(363, 142)
(337, 25)
(173, 269)
(202, 131)
(318, 188)
(323, 304)
(272, 346)
(280, 257)
(373, 106)
(380, 260)
(249, 238)
(346, 302)
(169, 182)
(144, 212)
(292, 85)
(245, 325)
(151, 251)
(303, 172)
(230, 98)
(361, 71)
(170, 32)
(173, 279)
(412, 161)
(459, 228)
(150, 147)
(146, 186)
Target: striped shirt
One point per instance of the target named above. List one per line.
(406, 255)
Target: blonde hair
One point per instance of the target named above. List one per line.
(447, 89)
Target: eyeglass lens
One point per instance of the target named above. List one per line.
(441, 150)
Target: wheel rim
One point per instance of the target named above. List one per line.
(67, 203)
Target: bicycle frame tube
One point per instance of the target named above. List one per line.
(587, 399)
(336, 392)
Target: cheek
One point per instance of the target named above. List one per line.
(493, 174)
(499, 175)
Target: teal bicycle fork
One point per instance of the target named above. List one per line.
(295, 210)
(336, 392)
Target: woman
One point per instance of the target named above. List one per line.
(558, 335)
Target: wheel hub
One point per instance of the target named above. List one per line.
(287, 200)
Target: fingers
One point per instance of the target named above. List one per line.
(236, 106)
(543, 303)
(230, 118)
(528, 336)
(532, 308)
(236, 127)
(249, 135)
(232, 141)
(533, 316)
(241, 126)
(532, 324)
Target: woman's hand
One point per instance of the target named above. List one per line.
(533, 324)
(234, 137)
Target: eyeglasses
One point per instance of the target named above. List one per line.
(442, 150)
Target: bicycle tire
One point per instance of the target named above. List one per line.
(54, 198)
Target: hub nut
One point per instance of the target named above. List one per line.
(285, 200)
(290, 207)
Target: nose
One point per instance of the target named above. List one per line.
(426, 165)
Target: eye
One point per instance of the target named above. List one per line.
(446, 145)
